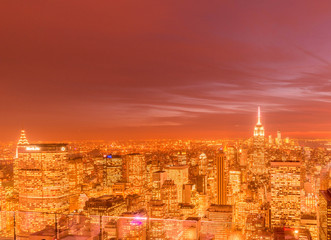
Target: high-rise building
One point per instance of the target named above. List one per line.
(285, 193)
(309, 223)
(231, 154)
(181, 156)
(157, 222)
(257, 160)
(259, 130)
(22, 141)
(158, 179)
(187, 193)
(234, 185)
(169, 196)
(270, 141)
(324, 215)
(43, 184)
(203, 164)
(134, 170)
(113, 169)
(76, 179)
(279, 138)
(221, 221)
(201, 184)
(179, 174)
(221, 178)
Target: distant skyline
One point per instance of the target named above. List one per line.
(172, 69)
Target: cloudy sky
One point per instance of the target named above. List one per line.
(164, 69)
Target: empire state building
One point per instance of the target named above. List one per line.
(259, 130)
(257, 163)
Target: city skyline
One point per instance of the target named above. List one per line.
(119, 70)
(258, 127)
(165, 120)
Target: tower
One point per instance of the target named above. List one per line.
(285, 193)
(257, 163)
(220, 224)
(134, 167)
(180, 176)
(221, 178)
(324, 216)
(22, 141)
(259, 129)
(42, 184)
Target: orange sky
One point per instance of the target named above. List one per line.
(164, 69)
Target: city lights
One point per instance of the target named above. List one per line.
(165, 120)
(232, 189)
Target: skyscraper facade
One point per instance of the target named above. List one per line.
(43, 184)
(259, 129)
(179, 174)
(324, 214)
(285, 193)
(134, 170)
(221, 178)
(257, 160)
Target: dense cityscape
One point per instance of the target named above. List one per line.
(258, 188)
(165, 120)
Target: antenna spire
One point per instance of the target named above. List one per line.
(258, 115)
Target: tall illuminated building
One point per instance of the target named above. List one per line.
(157, 222)
(158, 179)
(76, 175)
(221, 178)
(169, 196)
(23, 141)
(157, 208)
(221, 221)
(181, 156)
(231, 156)
(324, 215)
(203, 164)
(134, 171)
(113, 169)
(285, 193)
(257, 161)
(234, 185)
(179, 174)
(279, 138)
(43, 184)
(258, 130)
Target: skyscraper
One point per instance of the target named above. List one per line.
(285, 193)
(259, 129)
(257, 161)
(169, 196)
(22, 141)
(324, 213)
(221, 178)
(234, 185)
(134, 170)
(179, 174)
(221, 221)
(279, 138)
(42, 184)
(113, 169)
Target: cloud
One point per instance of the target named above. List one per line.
(165, 68)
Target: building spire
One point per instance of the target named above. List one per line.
(258, 116)
(23, 140)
